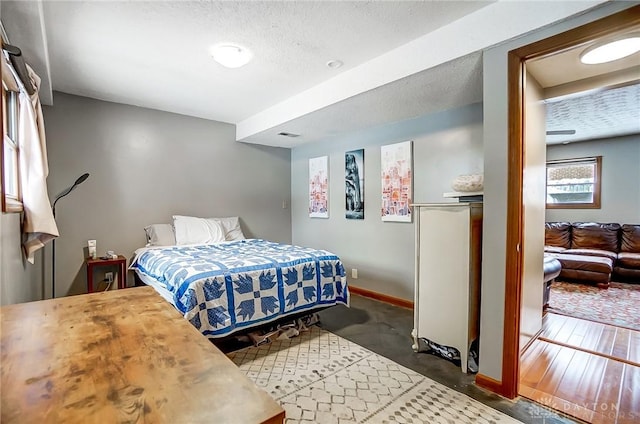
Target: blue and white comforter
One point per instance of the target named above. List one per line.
(221, 288)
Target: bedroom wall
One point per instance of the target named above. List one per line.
(20, 281)
(495, 188)
(445, 145)
(620, 190)
(147, 165)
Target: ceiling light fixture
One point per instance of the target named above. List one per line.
(231, 55)
(334, 64)
(611, 50)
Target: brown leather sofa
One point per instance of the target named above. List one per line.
(551, 269)
(595, 252)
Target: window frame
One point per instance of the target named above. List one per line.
(10, 203)
(597, 183)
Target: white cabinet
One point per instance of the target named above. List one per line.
(447, 283)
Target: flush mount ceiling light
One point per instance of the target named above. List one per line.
(611, 50)
(231, 55)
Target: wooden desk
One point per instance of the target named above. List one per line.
(121, 262)
(119, 356)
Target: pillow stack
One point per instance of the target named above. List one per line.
(193, 230)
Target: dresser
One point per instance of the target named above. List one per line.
(448, 241)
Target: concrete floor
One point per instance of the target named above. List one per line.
(386, 330)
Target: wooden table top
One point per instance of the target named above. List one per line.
(119, 356)
(100, 261)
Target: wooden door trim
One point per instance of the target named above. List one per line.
(513, 269)
(513, 264)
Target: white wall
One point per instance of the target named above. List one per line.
(147, 165)
(533, 189)
(495, 177)
(445, 145)
(620, 189)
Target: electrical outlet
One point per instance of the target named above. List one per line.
(354, 273)
(285, 204)
(108, 276)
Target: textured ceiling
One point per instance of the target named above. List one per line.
(402, 59)
(453, 84)
(595, 101)
(595, 114)
(155, 54)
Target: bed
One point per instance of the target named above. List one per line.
(228, 286)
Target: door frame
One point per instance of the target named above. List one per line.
(517, 58)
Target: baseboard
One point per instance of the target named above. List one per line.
(403, 303)
(489, 383)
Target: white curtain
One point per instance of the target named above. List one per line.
(38, 227)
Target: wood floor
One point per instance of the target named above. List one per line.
(585, 369)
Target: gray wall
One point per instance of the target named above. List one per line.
(147, 165)
(445, 145)
(495, 188)
(620, 190)
(20, 281)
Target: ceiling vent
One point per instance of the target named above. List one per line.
(286, 134)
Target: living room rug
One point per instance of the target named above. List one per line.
(618, 305)
(319, 377)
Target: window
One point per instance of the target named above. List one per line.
(574, 183)
(10, 187)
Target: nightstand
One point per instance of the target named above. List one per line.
(121, 262)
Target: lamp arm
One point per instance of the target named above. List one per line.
(82, 178)
(60, 196)
(67, 191)
(79, 181)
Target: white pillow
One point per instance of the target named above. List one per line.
(232, 230)
(192, 230)
(160, 235)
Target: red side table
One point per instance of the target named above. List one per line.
(121, 262)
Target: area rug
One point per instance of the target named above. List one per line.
(618, 305)
(319, 377)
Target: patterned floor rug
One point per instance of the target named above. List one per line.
(618, 305)
(319, 377)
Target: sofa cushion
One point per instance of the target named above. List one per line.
(557, 234)
(628, 260)
(594, 235)
(584, 263)
(554, 249)
(599, 278)
(592, 252)
(627, 274)
(630, 240)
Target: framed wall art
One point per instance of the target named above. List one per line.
(319, 187)
(354, 184)
(397, 181)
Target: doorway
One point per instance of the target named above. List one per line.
(516, 225)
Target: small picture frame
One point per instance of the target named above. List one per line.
(319, 187)
(397, 181)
